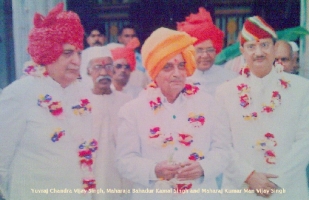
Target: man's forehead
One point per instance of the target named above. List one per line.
(258, 41)
(68, 47)
(101, 60)
(95, 31)
(121, 61)
(128, 30)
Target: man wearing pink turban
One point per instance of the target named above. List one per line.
(46, 143)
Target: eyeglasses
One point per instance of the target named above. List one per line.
(107, 67)
(263, 46)
(284, 59)
(208, 51)
(120, 66)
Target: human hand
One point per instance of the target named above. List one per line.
(166, 170)
(190, 170)
(260, 184)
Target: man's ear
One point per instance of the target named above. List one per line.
(119, 39)
(241, 48)
(88, 71)
(87, 39)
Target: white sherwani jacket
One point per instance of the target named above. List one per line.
(210, 79)
(270, 141)
(44, 130)
(153, 130)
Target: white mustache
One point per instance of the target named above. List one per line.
(103, 77)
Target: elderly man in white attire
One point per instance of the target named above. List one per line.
(268, 112)
(105, 106)
(170, 142)
(46, 142)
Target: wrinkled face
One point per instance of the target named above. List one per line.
(172, 77)
(126, 36)
(259, 56)
(205, 55)
(96, 38)
(283, 55)
(121, 71)
(65, 69)
(101, 71)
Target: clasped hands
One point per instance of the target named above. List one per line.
(260, 183)
(188, 170)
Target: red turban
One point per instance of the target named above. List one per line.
(200, 26)
(50, 33)
(256, 28)
(127, 52)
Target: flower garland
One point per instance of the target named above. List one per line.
(266, 145)
(196, 155)
(196, 120)
(190, 89)
(86, 159)
(156, 103)
(268, 142)
(82, 108)
(33, 69)
(58, 133)
(54, 107)
(245, 97)
(185, 139)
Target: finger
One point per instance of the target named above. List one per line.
(271, 185)
(187, 163)
(271, 175)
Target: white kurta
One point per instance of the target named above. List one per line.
(36, 161)
(150, 132)
(287, 128)
(105, 109)
(210, 79)
(132, 90)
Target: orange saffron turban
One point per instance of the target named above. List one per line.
(50, 33)
(200, 25)
(126, 52)
(162, 45)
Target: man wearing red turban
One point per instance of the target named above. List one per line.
(209, 43)
(46, 143)
(126, 78)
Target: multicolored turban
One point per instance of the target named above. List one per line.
(256, 28)
(50, 33)
(162, 45)
(127, 52)
(201, 26)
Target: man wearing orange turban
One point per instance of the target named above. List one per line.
(209, 43)
(168, 138)
(46, 143)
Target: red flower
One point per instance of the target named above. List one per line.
(190, 89)
(55, 108)
(269, 135)
(181, 187)
(85, 153)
